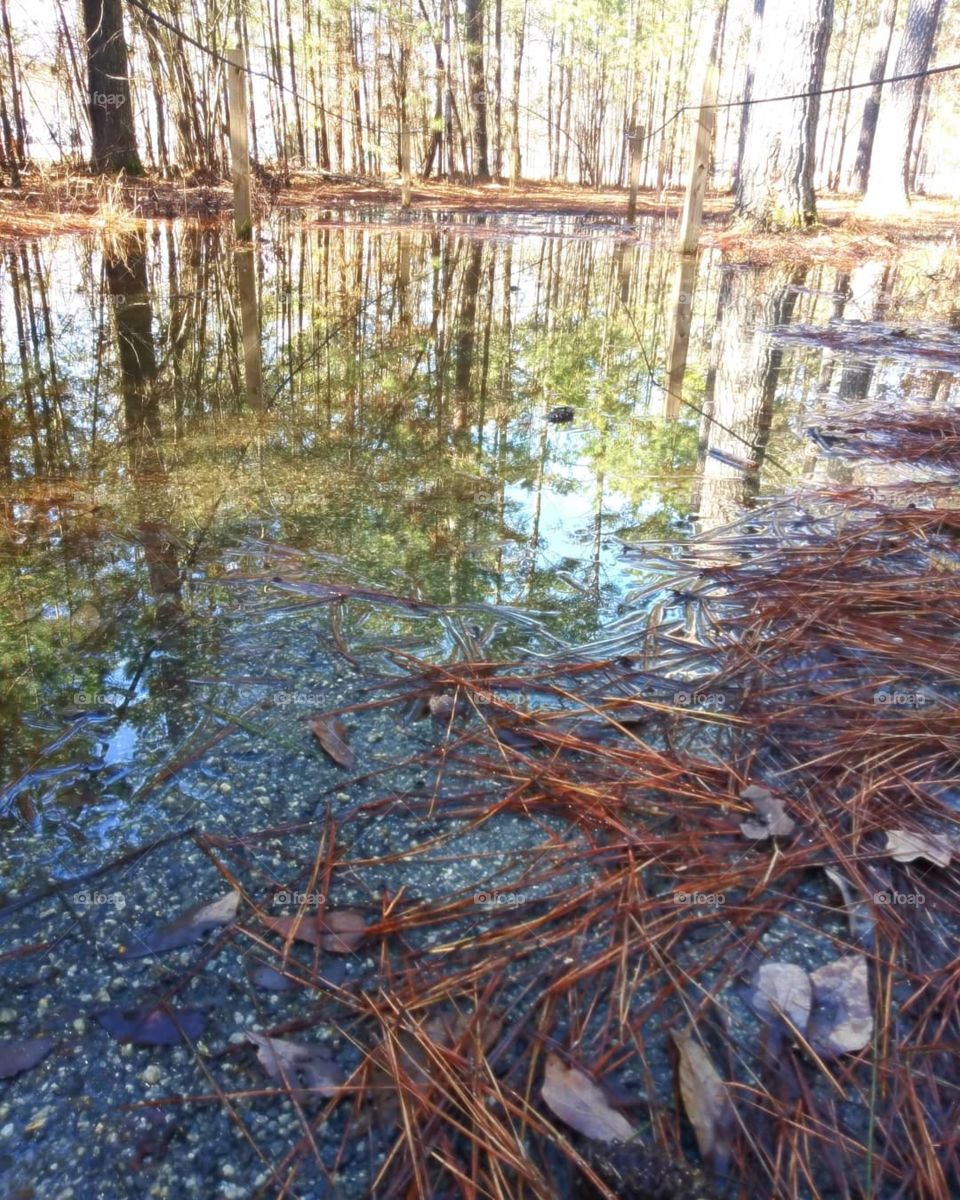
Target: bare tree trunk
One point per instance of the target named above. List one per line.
(515, 97)
(755, 28)
(17, 145)
(775, 179)
(497, 92)
(888, 181)
(473, 11)
(871, 106)
(111, 113)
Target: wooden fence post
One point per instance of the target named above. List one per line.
(700, 164)
(239, 152)
(405, 162)
(635, 142)
(683, 284)
(250, 325)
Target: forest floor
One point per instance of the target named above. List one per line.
(48, 203)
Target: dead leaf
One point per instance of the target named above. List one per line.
(188, 927)
(443, 707)
(152, 1025)
(783, 990)
(22, 1056)
(773, 820)
(304, 1069)
(332, 735)
(842, 1020)
(580, 1103)
(341, 930)
(905, 845)
(338, 931)
(266, 977)
(705, 1100)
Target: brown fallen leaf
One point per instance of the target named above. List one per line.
(341, 930)
(783, 990)
(22, 1056)
(304, 1069)
(905, 845)
(706, 1101)
(842, 1019)
(188, 927)
(580, 1103)
(152, 1024)
(773, 820)
(338, 930)
(331, 733)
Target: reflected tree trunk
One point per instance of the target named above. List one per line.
(739, 405)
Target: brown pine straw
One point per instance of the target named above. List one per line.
(794, 628)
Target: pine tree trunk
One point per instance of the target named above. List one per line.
(498, 93)
(473, 10)
(515, 97)
(889, 178)
(775, 177)
(111, 113)
(871, 106)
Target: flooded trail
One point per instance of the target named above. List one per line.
(304, 557)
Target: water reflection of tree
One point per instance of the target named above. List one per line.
(741, 385)
(125, 268)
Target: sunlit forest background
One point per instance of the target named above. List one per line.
(543, 89)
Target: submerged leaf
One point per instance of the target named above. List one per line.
(341, 930)
(580, 1103)
(188, 927)
(338, 931)
(705, 1100)
(332, 735)
(22, 1056)
(783, 990)
(905, 845)
(842, 1021)
(266, 977)
(152, 1025)
(773, 820)
(304, 1069)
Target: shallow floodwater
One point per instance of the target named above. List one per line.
(197, 445)
(377, 395)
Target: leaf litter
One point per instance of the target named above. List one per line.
(599, 959)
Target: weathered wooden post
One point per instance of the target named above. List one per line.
(700, 164)
(250, 325)
(683, 284)
(635, 142)
(239, 151)
(405, 163)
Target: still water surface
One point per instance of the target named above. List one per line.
(376, 396)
